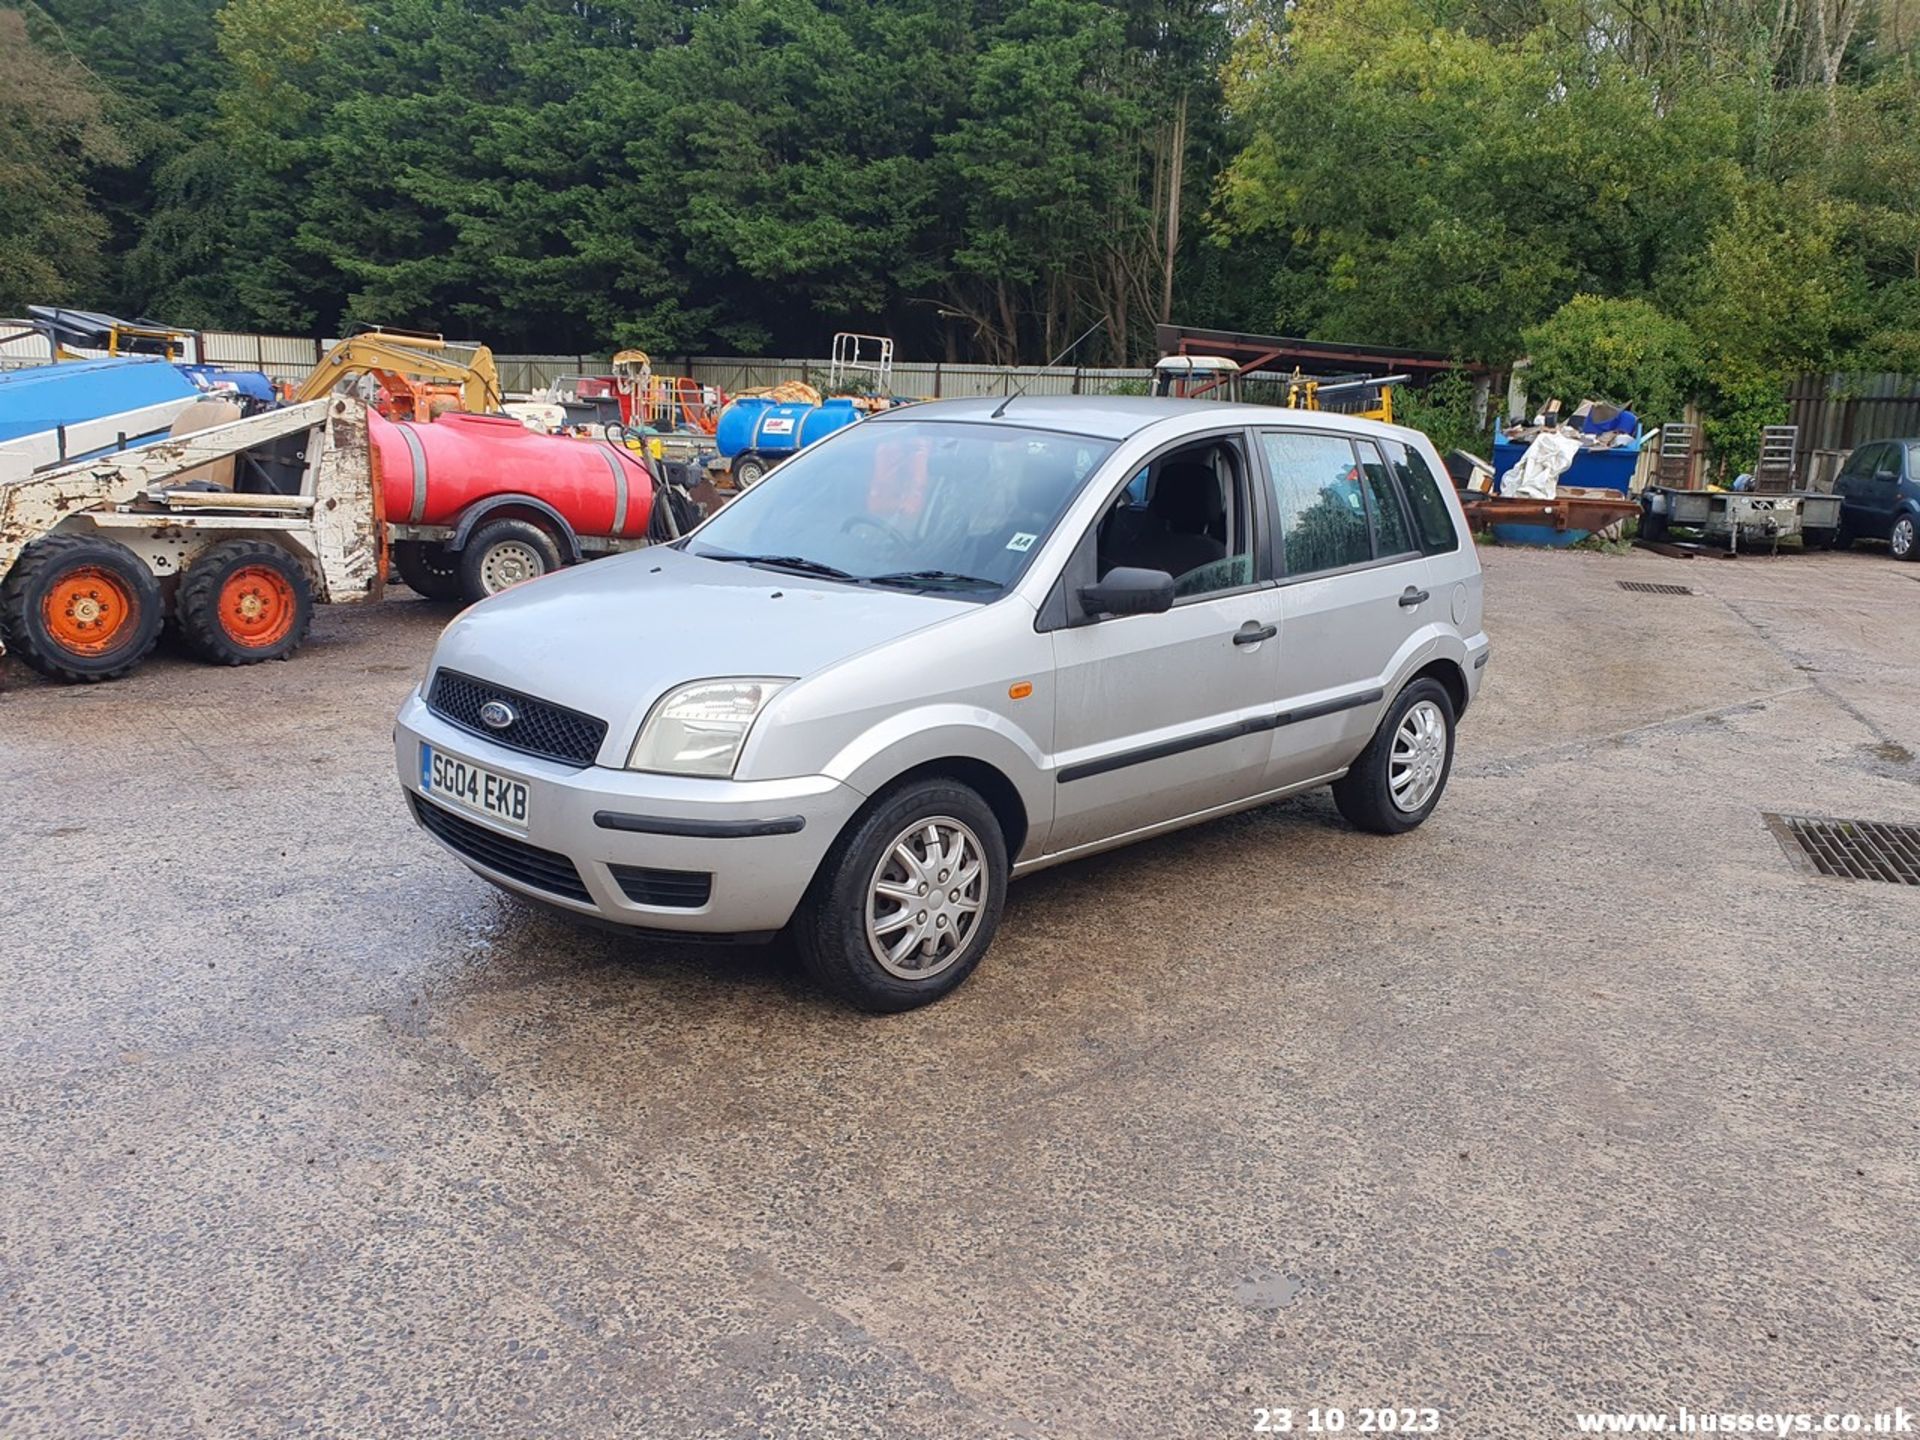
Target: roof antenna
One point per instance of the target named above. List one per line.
(1000, 409)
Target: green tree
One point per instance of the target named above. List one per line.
(1625, 351)
(54, 128)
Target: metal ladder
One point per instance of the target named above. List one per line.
(1773, 472)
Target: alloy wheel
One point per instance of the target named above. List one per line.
(925, 898)
(1418, 757)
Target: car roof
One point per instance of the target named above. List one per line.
(1120, 417)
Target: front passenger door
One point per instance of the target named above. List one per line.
(1162, 716)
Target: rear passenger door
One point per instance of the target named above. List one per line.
(1354, 589)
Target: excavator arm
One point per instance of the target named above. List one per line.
(411, 356)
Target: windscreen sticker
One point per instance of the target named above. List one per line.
(1022, 541)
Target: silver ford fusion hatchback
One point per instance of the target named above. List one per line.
(948, 646)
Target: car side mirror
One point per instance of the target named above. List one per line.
(1128, 590)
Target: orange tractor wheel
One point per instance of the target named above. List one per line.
(80, 608)
(244, 601)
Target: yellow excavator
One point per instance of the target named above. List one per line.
(418, 373)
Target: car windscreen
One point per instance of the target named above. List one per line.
(948, 505)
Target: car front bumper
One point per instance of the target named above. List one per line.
(758, 843)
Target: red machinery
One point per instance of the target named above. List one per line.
(475, 503)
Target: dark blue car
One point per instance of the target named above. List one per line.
(1879, 490)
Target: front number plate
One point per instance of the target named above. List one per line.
(473, 787)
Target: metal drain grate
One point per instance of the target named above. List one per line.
(1647, 587)
(1850, 849)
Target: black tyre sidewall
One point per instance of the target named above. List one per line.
(496, 532)
(40, 565)
(1365, 794)
(197, 604)
(750, 471)
(427, 568)
(830, 930)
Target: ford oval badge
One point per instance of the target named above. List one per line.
(497, 715)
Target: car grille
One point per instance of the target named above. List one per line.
(517, 860)
(674, 889)
(539, 728)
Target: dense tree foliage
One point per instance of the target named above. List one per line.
(1730, 185)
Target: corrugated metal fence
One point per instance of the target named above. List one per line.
(283, 357)
(522, 374)
(1837, 412)
(933, 382)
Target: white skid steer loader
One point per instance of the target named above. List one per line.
(95, 555)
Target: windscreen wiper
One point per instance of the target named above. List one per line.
(933, 580)
(799, 564)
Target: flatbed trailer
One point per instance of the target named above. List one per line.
(1742, 519)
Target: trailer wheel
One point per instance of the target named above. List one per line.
(1653, 527)
(79, 608)
(749, 470)
(428, 568)
(1822, 537)
(503, 553)
(244, 601)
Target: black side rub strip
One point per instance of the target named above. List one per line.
(1106, 766)
(699, 829)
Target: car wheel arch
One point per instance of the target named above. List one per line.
(1450, 673)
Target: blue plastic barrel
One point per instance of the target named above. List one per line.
(763, 426)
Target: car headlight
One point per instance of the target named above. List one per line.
(698, 729)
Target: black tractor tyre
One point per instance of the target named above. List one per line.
(830, 930)
(79, 608)
(502, 553)
(428, 568)
(1365, 793)
(242, 602)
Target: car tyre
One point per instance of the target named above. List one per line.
(504, 553)
(1400, 776)
(80, 608)
(244, 601)
(1904, 538)
(885, 927)
(428, 568)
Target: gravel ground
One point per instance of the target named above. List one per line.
(1581, 1097)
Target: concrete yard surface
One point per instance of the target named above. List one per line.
(1582, 1097)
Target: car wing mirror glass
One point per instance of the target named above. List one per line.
(1128, 590)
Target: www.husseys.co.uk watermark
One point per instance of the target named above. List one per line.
(1684, 1421)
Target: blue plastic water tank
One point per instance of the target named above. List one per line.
(771, 427)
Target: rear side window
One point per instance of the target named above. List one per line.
(1390, 533)
(1320, 514)
(1430, 514)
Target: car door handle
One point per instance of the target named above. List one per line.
(1411, 597)
(1252, 634)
